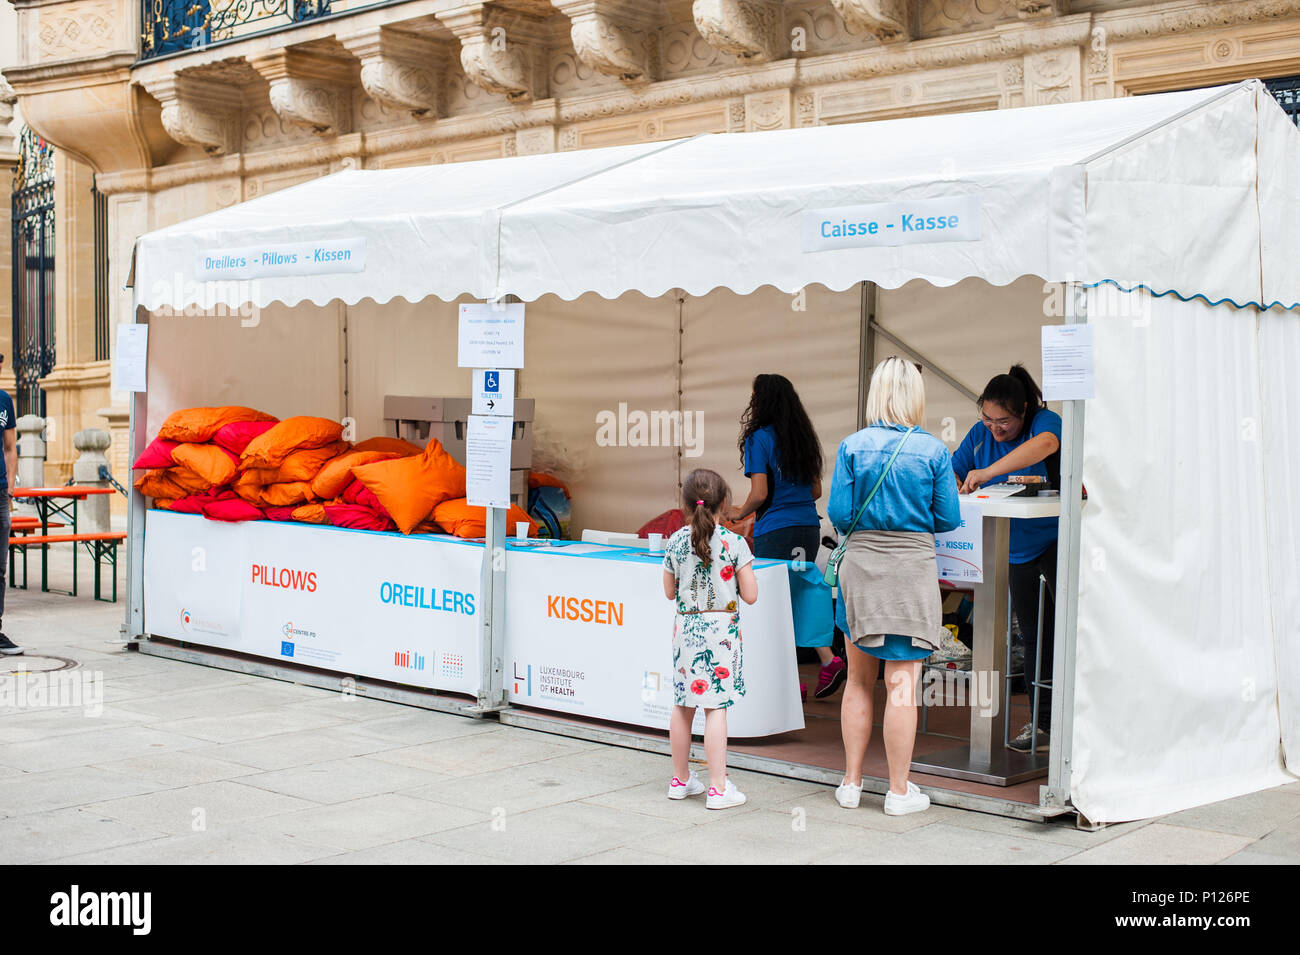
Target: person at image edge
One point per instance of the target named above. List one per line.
(8, 424)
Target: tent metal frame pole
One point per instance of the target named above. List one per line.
(927, 363)
(1055, 796)
(492, 622)
(866, 349)
(133, 628)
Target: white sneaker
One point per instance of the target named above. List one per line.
(848, 795)
(680, 790)
(914, 801)
(729, 797)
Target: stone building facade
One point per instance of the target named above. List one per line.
(180, 108)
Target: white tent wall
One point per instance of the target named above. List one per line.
(1279, 200)
(1138, 195)
(400, 348)
(1176, 680)
(813, 339)
(282, 360)
(1279, 348)
(973, 331)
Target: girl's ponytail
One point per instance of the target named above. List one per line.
(703, 494)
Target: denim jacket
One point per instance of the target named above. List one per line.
(919, 493)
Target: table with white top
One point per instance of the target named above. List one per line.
(986, 759)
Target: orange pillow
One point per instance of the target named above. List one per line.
(463, 519)
(214, 464)
(249, 487)
(159, 484)
(192, 481)
(200, 424)
(331, 479)
(410, 488)
(268, 450)
(427, 527)
(285, 493)
(398, 446)
(310, 514)
(304, 465)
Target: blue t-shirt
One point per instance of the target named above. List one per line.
(792, 504)
(8, 421)
(1029, 536)
(917, 495)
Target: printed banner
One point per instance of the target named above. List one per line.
(593, 636)
(380, 606)
(282, 258)
(960, 553)
(947, 219)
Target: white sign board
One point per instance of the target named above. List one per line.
(1067, 363)
(948, 219)
(130, 359)
(400, 609)
(493, 392)
(282, 258)
(960, 552)
(487, 461)
(491, 336)
(594, 636)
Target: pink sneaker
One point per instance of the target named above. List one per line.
(832, 678)
(803, 692)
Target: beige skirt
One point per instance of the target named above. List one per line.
(889, 582)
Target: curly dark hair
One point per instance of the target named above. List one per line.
(774, 402)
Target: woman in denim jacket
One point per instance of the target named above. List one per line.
(889, 578)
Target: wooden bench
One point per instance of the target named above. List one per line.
(99, 546)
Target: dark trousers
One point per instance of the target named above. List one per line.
(789, 543)
(4, 555)
(1024, 600)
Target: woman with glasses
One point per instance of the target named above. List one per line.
(1017, 434)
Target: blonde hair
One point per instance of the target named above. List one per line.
(897, 394)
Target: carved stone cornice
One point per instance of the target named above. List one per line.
(1188, 15)
(889, 21)
(400, 70)
(308, 89)
(614, 37)
(198, 112)
(749, 29)
(1041, 9)
(500, 52)
(7, 140)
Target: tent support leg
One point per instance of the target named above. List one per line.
(866, 349)
(1056, 794)
(492, 623)
(133, 627)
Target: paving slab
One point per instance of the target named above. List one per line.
(1162, 844)
(222, 804)
(368, 822)
(341, 780)
(42, 836)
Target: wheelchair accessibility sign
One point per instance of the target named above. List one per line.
(494, 392)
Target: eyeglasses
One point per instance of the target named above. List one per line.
(998, 422)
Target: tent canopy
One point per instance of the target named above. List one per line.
(1190, 192)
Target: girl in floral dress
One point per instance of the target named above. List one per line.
(707, 570)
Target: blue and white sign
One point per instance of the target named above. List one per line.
(948, 219)
(494, 392)
(960, 553)
(283, 258)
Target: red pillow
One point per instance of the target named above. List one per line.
(278, 513)
(157, 455)
(235, 437)
(233, 510)
(667, 523)
(357, 517)
(194, 503)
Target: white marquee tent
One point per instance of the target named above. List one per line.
(1178, 648)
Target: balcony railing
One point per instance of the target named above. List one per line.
(172, 26)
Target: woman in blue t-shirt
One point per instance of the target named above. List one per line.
(1017, 434)
(782, 457)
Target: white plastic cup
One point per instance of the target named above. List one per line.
(521, 530)
(656, 543)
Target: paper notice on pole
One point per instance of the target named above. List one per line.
(491, 336)
(493, 392)
(129, 361)
(960, 552)
(1067, 363)
(487, 461)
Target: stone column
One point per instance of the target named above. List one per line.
(92, 513)
(31, 451)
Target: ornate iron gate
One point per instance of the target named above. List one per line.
(33, 271)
